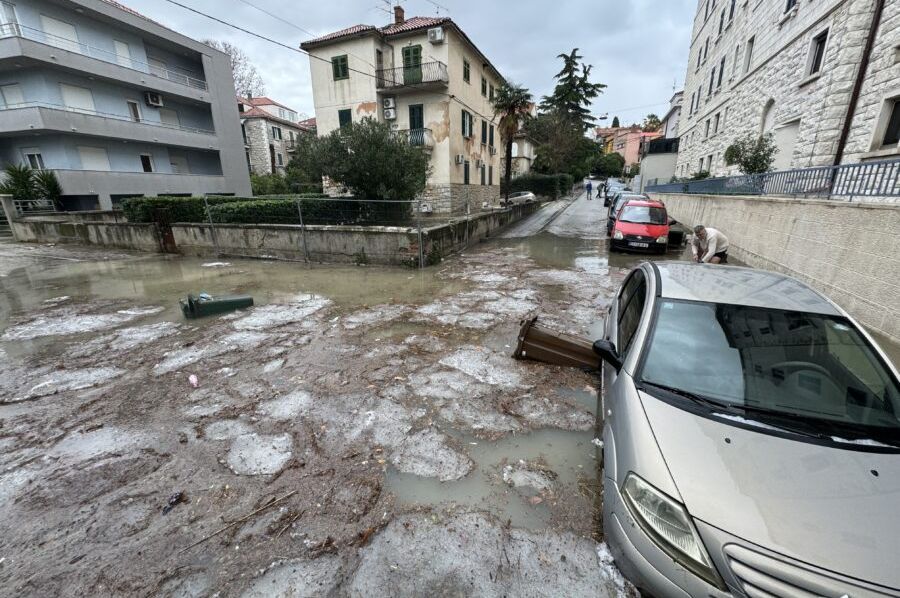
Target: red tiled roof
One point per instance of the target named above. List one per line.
(413, 24)
(309, 122)
(254, 112)
(263, 101)
(355, 30)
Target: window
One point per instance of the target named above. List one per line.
(722, 22)
(169, 117)
(33, 158)
(466, 172)
(340, 68)
(179, 163)
(484, 136)
(699, 59)
(123, 53)
(79, 99)
(93, 158)
(706, 49)
(484, 86)
(709, 163)
(467, 71)
(721, 72)
(701, 165)
(491, 94)
(491, 136)
(731, 11)
(706, 134)
(490, 175)
(817, 53)
(134, 110)
(276, 133)
(483, 174)
(467, 124)
(716, 123)
(706, 11)
(280, 159)
(344, 118)
(789, 5)
(892, 132)
(712, 80)
(748, 54)
(412, 64)
(11, 95)
(631, 307)
(737, 53)
(147, 162)
(815, 367)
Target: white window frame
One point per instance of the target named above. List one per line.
(748, 53)
(140, 114)
(33, 151)
(279, 159)
(276, 133)
(811, 54)
(149, 159)
(877, 147)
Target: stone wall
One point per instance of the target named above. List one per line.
(457, 200)
(848, 251)
(776, 88)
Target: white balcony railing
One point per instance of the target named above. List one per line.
(173, 74)
(152, 123)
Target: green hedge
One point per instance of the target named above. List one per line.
(547, 185)
(187, 209)
(315, 211)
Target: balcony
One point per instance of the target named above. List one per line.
(418, 138)
(89, 182)
(30, 117)
(424, 75)
(179, 76)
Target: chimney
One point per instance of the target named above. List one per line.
(399, 17)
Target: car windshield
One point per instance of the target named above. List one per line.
(643, 215)
(619, 203)
(783, 367)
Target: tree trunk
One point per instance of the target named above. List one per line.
(508, 173)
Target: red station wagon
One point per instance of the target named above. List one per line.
(641, 225)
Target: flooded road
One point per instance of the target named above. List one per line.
(360, 431)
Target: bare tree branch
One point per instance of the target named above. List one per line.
(247, 80)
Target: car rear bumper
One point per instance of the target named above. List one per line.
(639, 558)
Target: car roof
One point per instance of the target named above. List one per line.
(739, 286)
(653, 203)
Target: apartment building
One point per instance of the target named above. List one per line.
(660, 154)
(823, 77)
(270, 131)
(116, 104)
(427, 78)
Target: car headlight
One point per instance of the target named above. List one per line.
(662, 239)
(667, 522)
(618, 236)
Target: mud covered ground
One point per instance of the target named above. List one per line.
(363, 436)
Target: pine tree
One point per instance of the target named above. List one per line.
(574, 92)
(615, 122)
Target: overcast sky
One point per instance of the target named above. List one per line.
(638, 47)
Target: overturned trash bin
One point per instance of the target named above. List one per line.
(207, 305)
(557, 348)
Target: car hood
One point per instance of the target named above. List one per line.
(648, 230)
(817, 504)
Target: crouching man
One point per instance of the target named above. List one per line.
(709, 246)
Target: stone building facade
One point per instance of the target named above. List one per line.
(789, 68)
(427, 79)
(270, 131)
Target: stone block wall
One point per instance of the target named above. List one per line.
(777, 78)
(848, 251)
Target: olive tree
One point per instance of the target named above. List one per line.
(753, 154)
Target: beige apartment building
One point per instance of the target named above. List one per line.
(426, 78)
(822, 76)
(270, 132)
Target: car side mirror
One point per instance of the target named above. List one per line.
(607, 352)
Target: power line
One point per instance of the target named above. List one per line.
(305, 53)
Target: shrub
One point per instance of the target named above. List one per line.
(753, 154)
(264, 184)
(315, 211)
(180, 209)
(546, 185)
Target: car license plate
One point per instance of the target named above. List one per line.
(633, 244)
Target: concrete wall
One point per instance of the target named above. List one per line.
(848, 251)
(122, 235)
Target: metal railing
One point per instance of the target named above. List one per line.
(122, 117)
(426, 72)
(33, 206)
(879, 179)
(174, 74)
(418, 137)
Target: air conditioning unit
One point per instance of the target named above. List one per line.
(493, 151)
(388, 103)
(436, 35)
(425, 208)
(390, 113)
(460, 158)
(153, 99)
(479, 164)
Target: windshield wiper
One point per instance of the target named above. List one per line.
(699, 399)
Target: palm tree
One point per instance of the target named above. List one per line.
(513, 104)
(18, 181)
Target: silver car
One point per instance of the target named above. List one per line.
(751, 439)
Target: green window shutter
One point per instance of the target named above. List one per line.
(344, 117)
(492, 93)
(466, 71)
(340, 68)
(490, 175)
(482, 175)
(484, 131)
(491, 137)
(483, 86)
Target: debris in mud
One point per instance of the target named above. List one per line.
(64, 321)
(535, 475)
(307, 577)
(427, 454)
(65, 380)
(286, 408)
(259, 454)
(275, 315)
(484, 366)
(173, 501)
(612, 576)
(380, 314)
